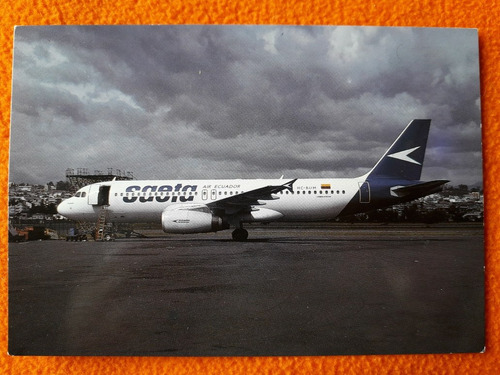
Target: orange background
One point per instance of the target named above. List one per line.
(481, 14)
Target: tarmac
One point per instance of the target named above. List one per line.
(313, 289)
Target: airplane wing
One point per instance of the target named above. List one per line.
(243, 202)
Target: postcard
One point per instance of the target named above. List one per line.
(209, 190)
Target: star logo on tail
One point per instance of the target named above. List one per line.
(403, 155)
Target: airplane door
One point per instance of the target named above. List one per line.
(99, 195)
(204, 194)
(93, 197)
(364, 192)
(213, 194)
(103, 197)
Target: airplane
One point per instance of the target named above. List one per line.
(201, 206)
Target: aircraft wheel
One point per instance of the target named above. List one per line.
(240, 234)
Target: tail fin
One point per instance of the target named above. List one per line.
(404, 159)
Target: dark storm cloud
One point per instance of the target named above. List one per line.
(240, 101)
(33, 102)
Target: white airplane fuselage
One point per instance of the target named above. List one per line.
(145, 201)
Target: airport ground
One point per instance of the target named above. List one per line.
(295, 289)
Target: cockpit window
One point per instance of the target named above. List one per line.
(78, 194)
(83, 194)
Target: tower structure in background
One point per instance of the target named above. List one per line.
(82, 176)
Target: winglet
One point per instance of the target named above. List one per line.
(289, 185)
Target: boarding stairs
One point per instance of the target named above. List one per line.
(101, 223)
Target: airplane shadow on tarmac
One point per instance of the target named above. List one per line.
(295, 240)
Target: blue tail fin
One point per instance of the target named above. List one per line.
(404, 159)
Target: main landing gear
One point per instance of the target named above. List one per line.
(240, 234)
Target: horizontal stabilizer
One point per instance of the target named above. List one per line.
(420, 189)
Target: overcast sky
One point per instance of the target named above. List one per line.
(180, 102)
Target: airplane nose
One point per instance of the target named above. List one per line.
(63, 208)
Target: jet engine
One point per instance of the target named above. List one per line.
(191, 219)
